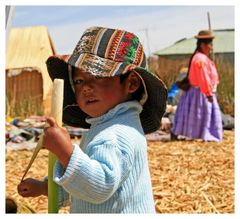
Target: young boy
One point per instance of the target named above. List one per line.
(108, 90)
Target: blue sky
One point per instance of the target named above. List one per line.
(60, 15)
(157, 26)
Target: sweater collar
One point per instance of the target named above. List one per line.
(117, 110)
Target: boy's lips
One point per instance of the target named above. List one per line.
(91, 101)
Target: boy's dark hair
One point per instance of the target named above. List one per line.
(137, 95)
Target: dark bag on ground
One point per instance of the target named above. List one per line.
(182, 81)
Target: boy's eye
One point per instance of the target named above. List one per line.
(78, 81)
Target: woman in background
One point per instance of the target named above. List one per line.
(198, 115)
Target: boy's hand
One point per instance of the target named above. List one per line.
(32, 188)
(58, 141)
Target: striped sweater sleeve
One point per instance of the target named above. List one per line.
(95, 176)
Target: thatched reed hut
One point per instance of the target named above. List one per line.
(27, 79)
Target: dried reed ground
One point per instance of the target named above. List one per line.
(187, 176)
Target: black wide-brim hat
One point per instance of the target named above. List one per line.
(106, 52)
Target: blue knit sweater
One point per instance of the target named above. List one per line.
(109, 172)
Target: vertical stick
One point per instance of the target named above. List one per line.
(56, 113)
(212, 56)
(209, 22)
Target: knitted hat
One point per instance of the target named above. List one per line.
(106, 52)
(205, 34)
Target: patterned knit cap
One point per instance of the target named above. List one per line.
(106, 52)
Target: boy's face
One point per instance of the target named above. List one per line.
(96, 96)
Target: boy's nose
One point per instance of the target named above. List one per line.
(87, 88)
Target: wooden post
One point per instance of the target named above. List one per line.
(209, 22)
(212, 56)
(56, 113)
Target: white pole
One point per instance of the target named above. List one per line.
(10, 11)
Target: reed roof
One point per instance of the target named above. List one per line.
(29, 48)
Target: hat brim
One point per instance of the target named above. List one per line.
(204, 37)
(72, 115)
(153, 109)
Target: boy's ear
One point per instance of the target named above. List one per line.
(134, 82)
